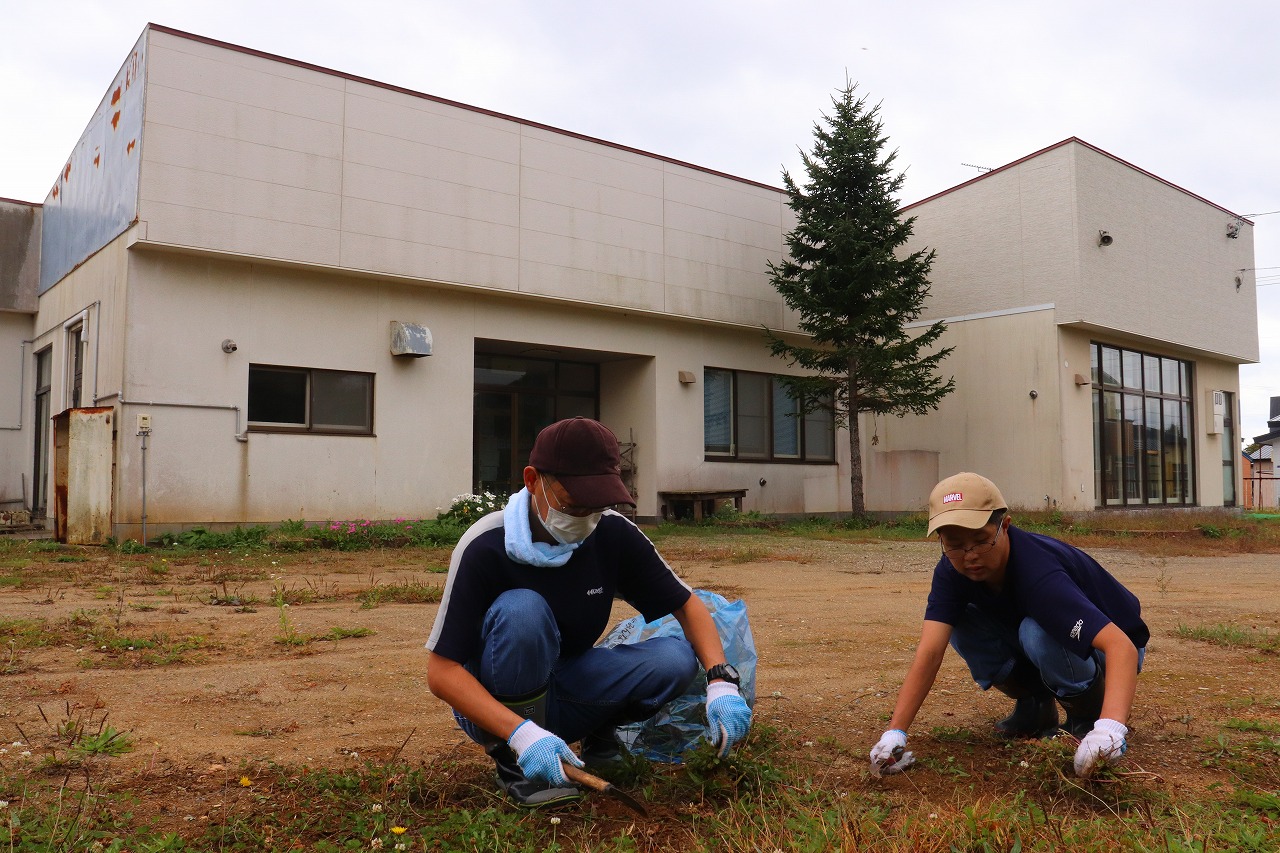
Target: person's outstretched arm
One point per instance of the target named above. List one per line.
(888, 754)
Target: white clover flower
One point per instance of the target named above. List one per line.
(376, 807)
(555, 821)
(4, 804)
(26, 753)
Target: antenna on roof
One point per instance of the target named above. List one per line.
(979, 168)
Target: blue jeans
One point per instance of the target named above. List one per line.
(992, 649)
(520, 654)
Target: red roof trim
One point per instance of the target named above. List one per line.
(1095, 148)
(20, 201)
(357, 79)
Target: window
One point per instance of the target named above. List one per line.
(300, 399)
(75, 365)
(1142, 445)
(751, 416)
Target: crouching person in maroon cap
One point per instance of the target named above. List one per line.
(1038, 619)
(529, 592)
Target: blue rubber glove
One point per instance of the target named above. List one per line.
(539, 753)
(728, 715)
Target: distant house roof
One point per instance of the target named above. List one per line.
(1263, 453)
(1269, 438)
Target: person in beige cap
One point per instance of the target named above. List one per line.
(531, 589)
(1034, 617)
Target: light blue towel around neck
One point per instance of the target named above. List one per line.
(519, 539)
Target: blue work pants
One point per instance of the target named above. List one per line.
(992, 648)
(520, 655)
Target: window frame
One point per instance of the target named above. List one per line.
(307, 426)
(733, 452)
(1146, 469)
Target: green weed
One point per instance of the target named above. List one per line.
(410, 592)
(1230, 636)
(338, 633)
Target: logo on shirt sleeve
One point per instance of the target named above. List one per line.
(597, 591)
(1075, 629)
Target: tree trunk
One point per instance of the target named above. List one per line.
(856, 490)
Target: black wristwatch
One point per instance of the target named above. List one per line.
(725, 671)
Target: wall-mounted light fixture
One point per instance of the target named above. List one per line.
(1105, 239)
(1233, 229)
(229, 346)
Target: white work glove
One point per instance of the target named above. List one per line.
(728, 715)
(539, 753)
(1105, 743)
(889, 755)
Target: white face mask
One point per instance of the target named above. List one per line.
(564, 528)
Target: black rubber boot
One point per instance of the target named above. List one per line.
(1084, 708)
(600, 750)
(523, 791)
(1034, 713)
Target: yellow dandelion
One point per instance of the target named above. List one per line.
(399, 830)
(245, 782)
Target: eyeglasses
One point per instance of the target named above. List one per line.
(575, 511)
(958, 554)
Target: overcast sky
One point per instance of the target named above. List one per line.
(1189, 91)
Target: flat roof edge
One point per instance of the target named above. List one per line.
(458, 104)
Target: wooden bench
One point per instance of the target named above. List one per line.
(698, 503)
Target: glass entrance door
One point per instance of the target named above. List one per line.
(514, 399)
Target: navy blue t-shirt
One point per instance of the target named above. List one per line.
(616, 561)
(1059, 586)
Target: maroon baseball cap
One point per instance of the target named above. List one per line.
(582, 455)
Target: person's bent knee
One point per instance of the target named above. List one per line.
(518, 612)
(670, 667)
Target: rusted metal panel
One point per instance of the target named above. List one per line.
(82, 477)
(95, 197)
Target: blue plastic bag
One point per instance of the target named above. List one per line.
(681, 723)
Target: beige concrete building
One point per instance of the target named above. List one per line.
(306, 295)
(1099, 315)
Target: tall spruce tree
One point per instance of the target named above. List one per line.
(855, 295)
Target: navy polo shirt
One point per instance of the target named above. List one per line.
(1061, 587)
(616, 561)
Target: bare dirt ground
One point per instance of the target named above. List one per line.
(834, 624)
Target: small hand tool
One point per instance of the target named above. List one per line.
(594, 782)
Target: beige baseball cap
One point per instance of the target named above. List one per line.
(964, 500)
